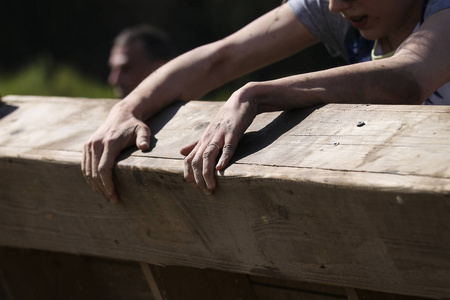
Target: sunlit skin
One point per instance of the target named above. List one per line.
(129, 65)
(420, 66)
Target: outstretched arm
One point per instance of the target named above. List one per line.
(420, 66)
(272, 37)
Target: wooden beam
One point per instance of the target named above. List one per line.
(309, 196)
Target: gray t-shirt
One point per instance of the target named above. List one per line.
(332, 29)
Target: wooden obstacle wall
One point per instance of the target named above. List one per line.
(310, 196)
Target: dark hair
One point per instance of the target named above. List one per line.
(157, 43)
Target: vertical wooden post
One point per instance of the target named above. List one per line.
(151, 281)
(351, 294)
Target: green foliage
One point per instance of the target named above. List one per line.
(44, 78)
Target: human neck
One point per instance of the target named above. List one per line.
(392, 41)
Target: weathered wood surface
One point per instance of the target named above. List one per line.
(309, 196)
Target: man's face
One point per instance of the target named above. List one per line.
(129, 65)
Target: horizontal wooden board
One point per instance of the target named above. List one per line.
(310, 196)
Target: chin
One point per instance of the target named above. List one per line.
(370, 35)
(373, 34)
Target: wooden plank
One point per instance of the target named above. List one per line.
(310, 196)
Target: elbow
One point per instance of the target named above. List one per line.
(412, 96)
(413, 92)
(417, 100)
(402, 88)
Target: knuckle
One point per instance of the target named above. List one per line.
(195, 163)
(143, 130)
(187, 162)
(96, 145)
(228, 148)
(206, 154)
(109, 142)
(88, 147)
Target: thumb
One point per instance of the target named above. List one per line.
(143, 134)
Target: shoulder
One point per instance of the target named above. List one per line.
(312, 9)
(329, 28)
(425, 53)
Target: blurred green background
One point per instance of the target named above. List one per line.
(61, 47)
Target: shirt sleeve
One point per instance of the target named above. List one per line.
(326, 26)
(434, 6)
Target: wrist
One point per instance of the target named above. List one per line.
(135, 105)
(125, 109)
(250, 95)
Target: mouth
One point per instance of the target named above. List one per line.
(357, 21)
(357, 18)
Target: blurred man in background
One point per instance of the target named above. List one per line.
(137, 52)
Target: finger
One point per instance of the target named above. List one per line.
(209, 159)
(188, 174)
(95, 154)
(227, 153)
(95, 186)
(106, 173)
(188, 149)
(83, 161)
(87, 168)
(143, 134)
(197, 170)
(95, 180)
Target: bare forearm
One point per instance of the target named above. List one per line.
(274, 36)
(372, 82)
(186, 77)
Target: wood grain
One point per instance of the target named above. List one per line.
(310, 196)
